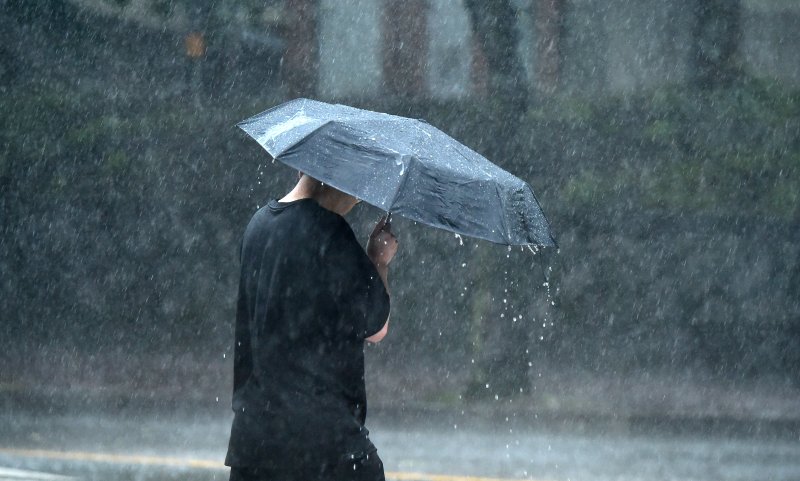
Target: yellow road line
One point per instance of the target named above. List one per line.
(404, 476)
(114, 458)
(207, 464)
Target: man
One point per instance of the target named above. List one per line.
(309, 296)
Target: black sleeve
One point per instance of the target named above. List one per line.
(358, 290)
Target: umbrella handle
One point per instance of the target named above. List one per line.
(388, 222)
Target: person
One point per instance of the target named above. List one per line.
(309, 296)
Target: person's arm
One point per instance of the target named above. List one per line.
(378, 336)
(381, 248)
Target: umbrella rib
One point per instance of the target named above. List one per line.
(548, 228)
(402, 184)
(503, 220)
(302, 139)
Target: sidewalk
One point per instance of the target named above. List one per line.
(484, 414)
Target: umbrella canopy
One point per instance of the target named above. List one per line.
(403, 166)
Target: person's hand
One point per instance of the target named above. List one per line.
(382, 245)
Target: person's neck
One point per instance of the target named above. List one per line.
(326, 196)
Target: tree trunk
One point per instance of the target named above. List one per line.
(405, 46)
(716, 38)
(791, 334)
(548, 44)
(494, 30)
(301, 58)
(498, 351)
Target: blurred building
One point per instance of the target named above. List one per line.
(365, 48)
(425, 47)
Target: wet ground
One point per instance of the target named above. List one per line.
(433, 446)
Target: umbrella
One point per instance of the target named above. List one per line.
(403, 166)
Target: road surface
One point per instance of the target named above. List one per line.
(452, 447)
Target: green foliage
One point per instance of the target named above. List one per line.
(682, 150)
(771, 5)
(784, 196)
(116, 163)
(662, 131)
(163, 8)
(586, 189)
(162, 192)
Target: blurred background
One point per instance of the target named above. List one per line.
(662, 138)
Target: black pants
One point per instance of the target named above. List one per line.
(367, 468)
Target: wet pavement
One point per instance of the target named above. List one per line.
(445, 447)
